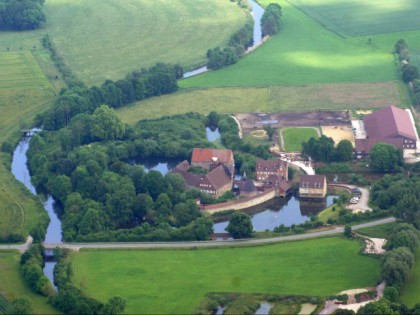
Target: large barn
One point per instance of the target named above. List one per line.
(391, 125)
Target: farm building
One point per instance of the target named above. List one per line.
(211, 158)
(313, 186)
(391, 125)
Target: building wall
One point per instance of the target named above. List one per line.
(241, 204)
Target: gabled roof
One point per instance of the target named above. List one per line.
(389, 122)
(312, 181)
(191, 180)
(247, 186)
(270, 165)
(218, 177)
(206, 155)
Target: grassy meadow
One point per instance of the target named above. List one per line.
(305, 52)
(293, 137)
(360, 17)
(24, 92)
(410, 292)
(336, 96)
(175, 281)
(110, 38)
(12, 286)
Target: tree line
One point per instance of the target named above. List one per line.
(138, 85)
(20, 15)
(324, 150)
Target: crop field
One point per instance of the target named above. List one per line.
(175, 281)
(293, 137)
(24, 91)
(305, 52)
(410, 292)
(340, 96)
(359, 17)
(12, 286)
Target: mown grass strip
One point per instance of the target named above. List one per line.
(293, 137)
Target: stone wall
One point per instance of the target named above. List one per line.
(240, 204)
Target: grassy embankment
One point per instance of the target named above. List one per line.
(175, 281)
(25, 91)
(12, 286)
(293, 137)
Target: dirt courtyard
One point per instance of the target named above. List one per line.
(338, 133)
(254, 121)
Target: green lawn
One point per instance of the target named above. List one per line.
(175, 281)
(360, 17)
(305, 52)
(110, 38)
(410, 293)
(24, 92)
(293, 137)
(13, 287)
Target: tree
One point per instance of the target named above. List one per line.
(240, 225)
(344, 151)
(408, 210)
(321, 149)
(347, 231)
(400, 45)
(404, 235)
(385, 157)
(269, 130)
(391, 293)
(107, 125)
(409, 73)
(396, 266)
(22, 305)
(115, 305)
(271, 19)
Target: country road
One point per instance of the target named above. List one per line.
(76, 247)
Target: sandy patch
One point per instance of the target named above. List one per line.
(338, 133)
(375, 246)
(353, 291)
(307, 309)
(364, 112)
(259, 133)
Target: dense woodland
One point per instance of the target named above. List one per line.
(21, 15)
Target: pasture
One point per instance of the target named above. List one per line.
(305, 52)
(359, 17)
(175, 281)
(110, 38)
(24, 92)
(292, 138)
(12, 286)
(411, 289)
(337, 96)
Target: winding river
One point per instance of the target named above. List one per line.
(21, 172)
(257, 12)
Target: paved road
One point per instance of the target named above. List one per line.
(76, 247)
(363, 203)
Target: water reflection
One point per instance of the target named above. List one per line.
(212, 134)
(286, 211)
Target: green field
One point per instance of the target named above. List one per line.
(110, 38)
(175, 281)
(415, 58)
(12, 286)
(410, 293)
(305, 52)
(24, 92)
(293, 137)
(338, 96)
(360, 17)
(378, 231)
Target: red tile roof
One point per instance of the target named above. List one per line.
(206, 155)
